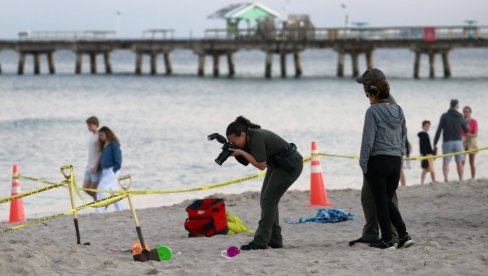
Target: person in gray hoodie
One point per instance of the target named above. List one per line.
(451, 124)
(382, 148)
(371, 231)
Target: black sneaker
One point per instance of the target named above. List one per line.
(361, 240)
(383, 245)
(405, 242)
(251, 246)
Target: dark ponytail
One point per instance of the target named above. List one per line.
(240, 125)
(379, 88)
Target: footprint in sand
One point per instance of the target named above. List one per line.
(484, 259)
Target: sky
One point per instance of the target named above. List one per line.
(189, 17)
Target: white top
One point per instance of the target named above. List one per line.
(93, 150)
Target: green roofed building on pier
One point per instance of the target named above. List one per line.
(248, 12)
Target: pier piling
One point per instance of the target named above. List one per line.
(216, 65)
(283, 65)
(50, 63)
(230, 63)
(78, 62)
(201, 65)
(93, 62)
(167, 63)
(340, 64)
(445, 62)
(369, 59)
(21, 64)
(108, 64)
(298, 64)
(138, 63)
(154, 63)
(355, 64)
(431, 64)
(268, 65)
(37, 64)
(416, 65)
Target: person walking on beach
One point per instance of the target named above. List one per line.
(265, 149)
(110, 164)
(382, 147)
(91, 170)
(469, 138)
(371, 230)
(450, 125)
(427, 165)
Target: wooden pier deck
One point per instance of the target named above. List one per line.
(428, 41)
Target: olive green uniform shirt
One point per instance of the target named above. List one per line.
(263, 144)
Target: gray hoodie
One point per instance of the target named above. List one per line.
(384, 133)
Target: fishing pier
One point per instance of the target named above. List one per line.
(216, 43)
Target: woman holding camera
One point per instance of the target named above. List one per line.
(264, 149)
(382, 148)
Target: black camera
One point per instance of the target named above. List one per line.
(225, 147)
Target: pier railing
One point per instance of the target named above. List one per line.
(67, 35)
(331, 34)
(158, 34)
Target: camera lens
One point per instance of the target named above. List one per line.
(223, 156)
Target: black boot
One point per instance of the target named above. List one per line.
(251, 246)
(275, 245)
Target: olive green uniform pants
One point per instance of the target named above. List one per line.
(275, 184)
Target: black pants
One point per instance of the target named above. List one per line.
(383, 176)
(371, 231)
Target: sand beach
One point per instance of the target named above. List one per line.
(448, 221)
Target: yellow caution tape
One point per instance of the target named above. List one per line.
(98, 203)
(406, 158)
(37, 180)
(31, 192)
(446, 155)
(339, 156)
(200, 188)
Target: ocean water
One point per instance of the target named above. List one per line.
(162, 121)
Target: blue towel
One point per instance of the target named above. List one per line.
(326, 216)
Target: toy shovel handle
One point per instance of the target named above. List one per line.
(128, 183)
(66, 168)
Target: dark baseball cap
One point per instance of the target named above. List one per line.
(372, 74)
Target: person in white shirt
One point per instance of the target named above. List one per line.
(91, 171)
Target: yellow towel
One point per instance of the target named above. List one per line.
(236, 225)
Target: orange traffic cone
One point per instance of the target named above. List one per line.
(17, 205)
(318, 194)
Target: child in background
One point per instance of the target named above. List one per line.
(426, 150)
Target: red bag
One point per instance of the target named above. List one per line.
(206, 217)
